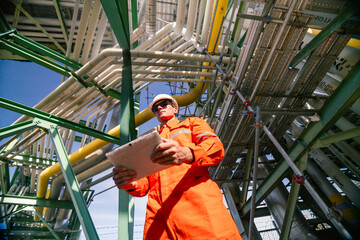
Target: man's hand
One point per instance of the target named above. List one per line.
(123, 178)
(169, 152)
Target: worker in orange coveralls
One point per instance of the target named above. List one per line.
(183, 202)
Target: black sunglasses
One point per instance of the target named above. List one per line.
(164, 103)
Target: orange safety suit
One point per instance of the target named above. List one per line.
(183, 202)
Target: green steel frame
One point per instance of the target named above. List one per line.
(117, 13)
(32, 160)
(33, 201)
(78, 201)
(71, 181)
(61, 20)
(9, 39)
(292, 200)
(245, 185)
(38, 233)
(32, 112)
(349, 10)
(344, 96)
(336, 137)
(47, 224)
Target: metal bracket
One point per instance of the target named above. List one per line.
(79, 79)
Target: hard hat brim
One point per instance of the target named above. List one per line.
(163, 97)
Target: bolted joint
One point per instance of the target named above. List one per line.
(246, 103)
(299, 179)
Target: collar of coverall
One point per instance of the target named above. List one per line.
(171, 123)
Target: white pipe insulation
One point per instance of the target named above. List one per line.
(81, 31)
(207, 20)
(160, 34)
(99, 35)
(72, 28)
(180, 17)
(151, 18)
(90, 33)
(190, 25)
(201, 15)
(141, 14)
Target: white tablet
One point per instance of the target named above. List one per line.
(135, 155)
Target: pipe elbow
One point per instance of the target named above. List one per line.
(42, 184)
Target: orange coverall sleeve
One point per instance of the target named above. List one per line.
(207, 148)
(141, 189)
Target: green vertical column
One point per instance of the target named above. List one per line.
(292, 200)
(134, 19)
(127, 130)
(6, 176)
(117, 13)
(126, 202)
(5, 169)
(245, 184)
(237, 21)
(72, 184)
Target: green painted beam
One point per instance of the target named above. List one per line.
(35, 161)
(74, 223)
(75, 226)
(18, 210)
(72, 183)
(4, 25)
(237, 50)
(113, 93)
(238, 20)
(117, 13)
(27, 220)
(37, 58)
(348, 11)
(5, 177)
(337, 137)
(134, 19)
(61, 20)
(119, 20)
(344, 97)
(33, 201)
(127, 133)
(45, 51)
(32, 112)
(57, 237)
(230, 45)
(33, 233)
(16, 129)
(245, 185)
(292, 200)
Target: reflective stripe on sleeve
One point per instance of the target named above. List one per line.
(180, 132)
(200, 136)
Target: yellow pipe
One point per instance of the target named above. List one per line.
(348, 211)
(140, 118)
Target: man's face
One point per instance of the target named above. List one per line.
(164, 111)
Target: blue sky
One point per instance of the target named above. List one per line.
(28, 83)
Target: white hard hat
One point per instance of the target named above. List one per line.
(162, 97)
